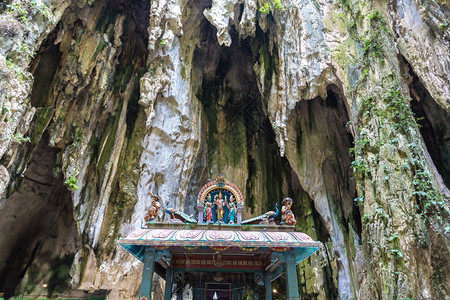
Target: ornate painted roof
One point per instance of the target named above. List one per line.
(219, 230)
(183, 240)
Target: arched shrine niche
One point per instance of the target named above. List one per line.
(220, 201)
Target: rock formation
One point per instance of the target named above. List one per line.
(341, 105)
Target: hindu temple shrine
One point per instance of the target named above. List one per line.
(218, 254)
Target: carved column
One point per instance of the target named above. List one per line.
(255, 293)
(268, 285)
(200, 213)
(291, 277)
(145, 292)
(168, 289)
(239, 214)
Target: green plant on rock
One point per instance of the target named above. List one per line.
(393, 237)
(18, 138)
(345, 4)
(365, 219)
(71, 183)
(381, 214)
(359, 201)
(18, 10)
(23, 9)
(278, 4)
(4, 109)
(162, 43)
(397, 253)
(428, 199)
(20, 73)
(372, 43)
(265, 8)
(376, 16)
(359, 164)
(25, 49)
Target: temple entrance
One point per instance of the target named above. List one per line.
(218, 291)
(217, 254)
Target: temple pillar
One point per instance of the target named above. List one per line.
(239, 215)
(291, 277)
(200, 213)
(179, 290)
(147, 276)
(234, 293)
(168, 289)
(268, 285)
(255, 293)
(198, 293)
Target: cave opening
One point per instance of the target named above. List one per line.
(434, 124)
(318, 146)
(39, 220)
(239, 135)
(43, 68)
(239, 132)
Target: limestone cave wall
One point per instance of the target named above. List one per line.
(341, 105)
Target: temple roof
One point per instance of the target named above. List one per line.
(184, 238)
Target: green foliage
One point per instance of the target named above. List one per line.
(76, 141)
(20, 73)
(359, 201)
(359, 164)
(23, 9)
(372, 43)
(375, 16)
(398, 106)
(71, 183)
(264, 9)
(162, 43)
(381, 214)
(18, 10)
(364, 73)
(25, 49)
(4, 109)
(278, 4)
(18, 138)
(345, 4)
(397, 253)
(394, 237)
(365, 219)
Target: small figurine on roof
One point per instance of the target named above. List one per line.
(219, 202)
(208, 212)
(231, 211)
(152, 213)
(288, 216)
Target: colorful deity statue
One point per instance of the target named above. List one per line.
(231, 212)
(219, 202)
(208, 212)
(152, 213)
(288, 216)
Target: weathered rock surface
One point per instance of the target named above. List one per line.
(308, 99)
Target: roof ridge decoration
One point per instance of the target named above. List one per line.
(220, 201)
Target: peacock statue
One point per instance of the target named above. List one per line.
(177, 216)
(267, 218)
